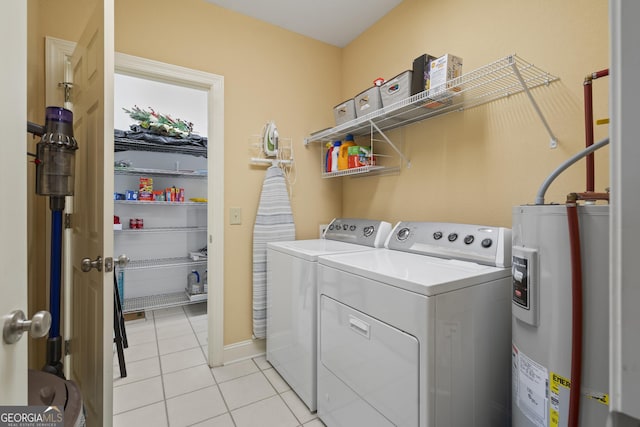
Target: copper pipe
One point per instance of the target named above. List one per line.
(601, 73)
(589, 195)
(588, 123)
(576, 311)
(588, 131)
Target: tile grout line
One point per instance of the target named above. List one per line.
(164, 394)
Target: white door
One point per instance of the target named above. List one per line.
(92, 291)
(13, 215)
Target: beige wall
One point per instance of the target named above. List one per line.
(473, 166)
(470, 166)
(270, 74)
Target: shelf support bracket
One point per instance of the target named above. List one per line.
(391, 144)
(553, 143)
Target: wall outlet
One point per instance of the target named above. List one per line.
(323, 227)
(235, 216)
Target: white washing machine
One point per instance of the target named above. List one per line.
(418, 334)
(292, 297)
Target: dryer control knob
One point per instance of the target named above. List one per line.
(437, 235)
(368, 231)
(468, 239)
(352, 228)
(486, 243)
(453, 237)
(403, 234)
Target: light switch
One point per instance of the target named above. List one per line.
(235, 216)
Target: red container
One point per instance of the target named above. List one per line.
(139, 223)
(133, 223)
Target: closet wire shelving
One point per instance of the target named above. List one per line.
(500, 79)
(166, 300)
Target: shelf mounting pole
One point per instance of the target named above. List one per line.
(391, 144)
(553, 143)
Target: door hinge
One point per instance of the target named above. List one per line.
(67, 221)
(67, 347)
(67, 90)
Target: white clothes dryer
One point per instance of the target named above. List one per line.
(292, 297)
(419, 333)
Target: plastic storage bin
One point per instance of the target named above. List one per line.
(368, 101)
(396, 89)
(344, 112)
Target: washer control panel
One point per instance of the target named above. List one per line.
(478, 243)
(359, 231)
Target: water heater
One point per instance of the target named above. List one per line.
(541, 316)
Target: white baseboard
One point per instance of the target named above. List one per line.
(244, 350)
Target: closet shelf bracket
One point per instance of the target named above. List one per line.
(553, 142)
(391, 144)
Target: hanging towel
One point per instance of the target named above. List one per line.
(274, 222)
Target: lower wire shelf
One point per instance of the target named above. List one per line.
(153, 302)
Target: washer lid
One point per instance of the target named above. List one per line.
(416, 273)
(312, 249)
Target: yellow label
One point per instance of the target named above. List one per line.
(556, 381)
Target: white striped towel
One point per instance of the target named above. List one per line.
(274, 222)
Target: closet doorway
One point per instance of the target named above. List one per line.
(212, 88)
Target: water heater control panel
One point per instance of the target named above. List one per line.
(524, 287)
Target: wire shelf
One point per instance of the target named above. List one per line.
(500, 79)
(153, 302)
(360, 170)
(160, 230)
(154, 203)
(163, 263)
(160, 172)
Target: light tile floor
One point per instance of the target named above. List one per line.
(168, 381)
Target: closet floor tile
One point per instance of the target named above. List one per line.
(152, 415)
(297, 406)
(276, 380)
(187, 380)
(271, 412)
(196, 406)
(136, 371)
(245, 390)
(169, 383)
(234, 370)
(262, 362)
(181, 360)
(136, 395)
(172, 345)
(223, 420)
(139, 352)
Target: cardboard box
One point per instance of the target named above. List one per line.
(421, 73)
(146, 185)
(443, 70)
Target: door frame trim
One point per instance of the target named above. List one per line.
(59, 50)
(214, 85)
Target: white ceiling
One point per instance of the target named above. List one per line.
(335, 22)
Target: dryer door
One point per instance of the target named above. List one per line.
(377, 362)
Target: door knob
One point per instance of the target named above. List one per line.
(15, 324)
(122, 261)
(87, 264)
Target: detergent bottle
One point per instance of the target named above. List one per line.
(327, 161)
(334, 156)
(343, 157)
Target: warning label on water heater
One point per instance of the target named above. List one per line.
(531, 384)
(559, 395)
